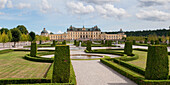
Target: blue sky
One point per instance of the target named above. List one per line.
(109, 15)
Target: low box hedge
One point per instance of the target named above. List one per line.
(134, 76)
(6, 51)
(39, 59)
(24, 81)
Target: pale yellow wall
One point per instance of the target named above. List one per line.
(86, 34)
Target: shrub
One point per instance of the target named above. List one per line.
(88, 45)
(152, 42)
(128, 48)
(64, 42)
(75, 42)
(54, 43)
(109, 43)
(40, 42)
(106, 42)
(33, 52)
(156, 42)
(61, 69)
(102, 42)
(157, 63)
(146, 42)
(134, 42)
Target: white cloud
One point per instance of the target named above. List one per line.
(147, 3)
(44, 6)
(9, 4)
(60, 32)
(2, 3)
(80, 8)
(109, 10)
(153, 15)
(99, 1)
(0, 27)
(23, 5)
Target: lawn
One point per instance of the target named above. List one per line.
(12, 65)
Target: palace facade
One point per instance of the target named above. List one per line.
(93, 33)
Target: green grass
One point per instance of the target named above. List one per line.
(12, 65)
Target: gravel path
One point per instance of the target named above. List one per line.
(95, 73)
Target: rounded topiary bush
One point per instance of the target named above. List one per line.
(33, 52)
(157, 66)
(88, 45)
(64, 42)
(128, 48)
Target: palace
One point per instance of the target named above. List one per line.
(93, 33)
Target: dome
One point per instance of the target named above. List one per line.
(44, 31)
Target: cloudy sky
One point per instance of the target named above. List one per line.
(109, 15)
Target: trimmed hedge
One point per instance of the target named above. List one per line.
(130, 66)
(6, 51)
(134, 42)
(109, 44)
(54, 43)
(39, 59)
(132, 75)
(24, 81)
(88, 45)
(61, 72)
(75, 42)
(128, 48)
(33, 51)
(157, 67)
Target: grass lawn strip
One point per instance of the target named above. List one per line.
(14, 66)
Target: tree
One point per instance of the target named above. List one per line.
(51, 33)
(32, 35)
(24, 37)
(4, 29)
(0, 37)
(16, 35)
(4, 38)
(9, 36)
(23, 29)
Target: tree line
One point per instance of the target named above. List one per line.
(158, 32)
(19, 33)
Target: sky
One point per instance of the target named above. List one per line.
(109, 15)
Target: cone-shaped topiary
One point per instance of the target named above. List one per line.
(128, 48)
(152, 42)
(109, 43)
(157, 66)
(33, 52)
(156, 42)
(102, 42)
(134, 42)
(54, 43)
(88, 45)
(75, 42)
(40, 42)
(61, 69)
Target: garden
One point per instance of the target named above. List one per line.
(144, 67)
(26, 67)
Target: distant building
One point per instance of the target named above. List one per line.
(93, 33)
